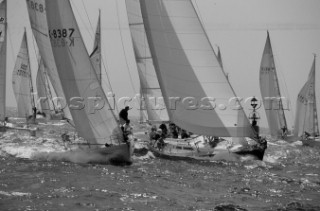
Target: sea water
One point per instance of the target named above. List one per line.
(46, 173)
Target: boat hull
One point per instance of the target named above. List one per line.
(116, 154)
(310, 142)
(195, 150)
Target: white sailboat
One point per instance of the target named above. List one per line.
(95, 121)
(270, 92)
(22, 83)
(3, 60)
(38, 21)
(306, 120)
(189, 74)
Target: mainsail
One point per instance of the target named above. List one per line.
(197, 93)
(270, 92)
(94, 120)
(151, 95)
(3, 58)
(306, 113)
(21, 80)
(95, 56)
(38, 20)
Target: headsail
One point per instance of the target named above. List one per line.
(21, 80)
(189, 73)
(94, 120)
(3, 58)
(306, 113)
(150, 89)
(95, 56)
(270, 92)
(38, 20)
(42, 89)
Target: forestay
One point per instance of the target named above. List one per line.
(306, 113)
(3, 58)
(197, 94)
(152, 99)
(270, 91)
(38, 20)
(21, 80)
(94, 120)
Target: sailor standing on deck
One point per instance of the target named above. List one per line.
(123, 115)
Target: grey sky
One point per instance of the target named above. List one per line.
(237, 26)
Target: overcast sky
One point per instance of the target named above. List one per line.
(237, 26)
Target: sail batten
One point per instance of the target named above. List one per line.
(95, 56)
(187, 68)
(78, 78)
(3, 58)
(270, 91)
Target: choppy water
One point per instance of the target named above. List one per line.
(287, 179)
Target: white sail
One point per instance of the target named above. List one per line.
(95, 56)
(189, 73)
(42, 89)
(21, 80)
(94, 120)
(3, 58)
(38, 20)
(150, 89)
(306, 119)
(270, 92)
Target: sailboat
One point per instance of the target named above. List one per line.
(3, 59)
(95, 121)
(188, 73)
(44, 94)
(22, 84)
(270, 92)
(306, 120)
(38, 21)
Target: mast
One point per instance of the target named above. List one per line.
(315, 113)
(3, 58)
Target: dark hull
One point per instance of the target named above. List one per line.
(116, 154)
(311, 142)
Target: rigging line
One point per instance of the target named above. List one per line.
(87, 15)
(10, 40)
(124, 51)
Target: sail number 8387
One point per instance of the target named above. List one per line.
(61, 33)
